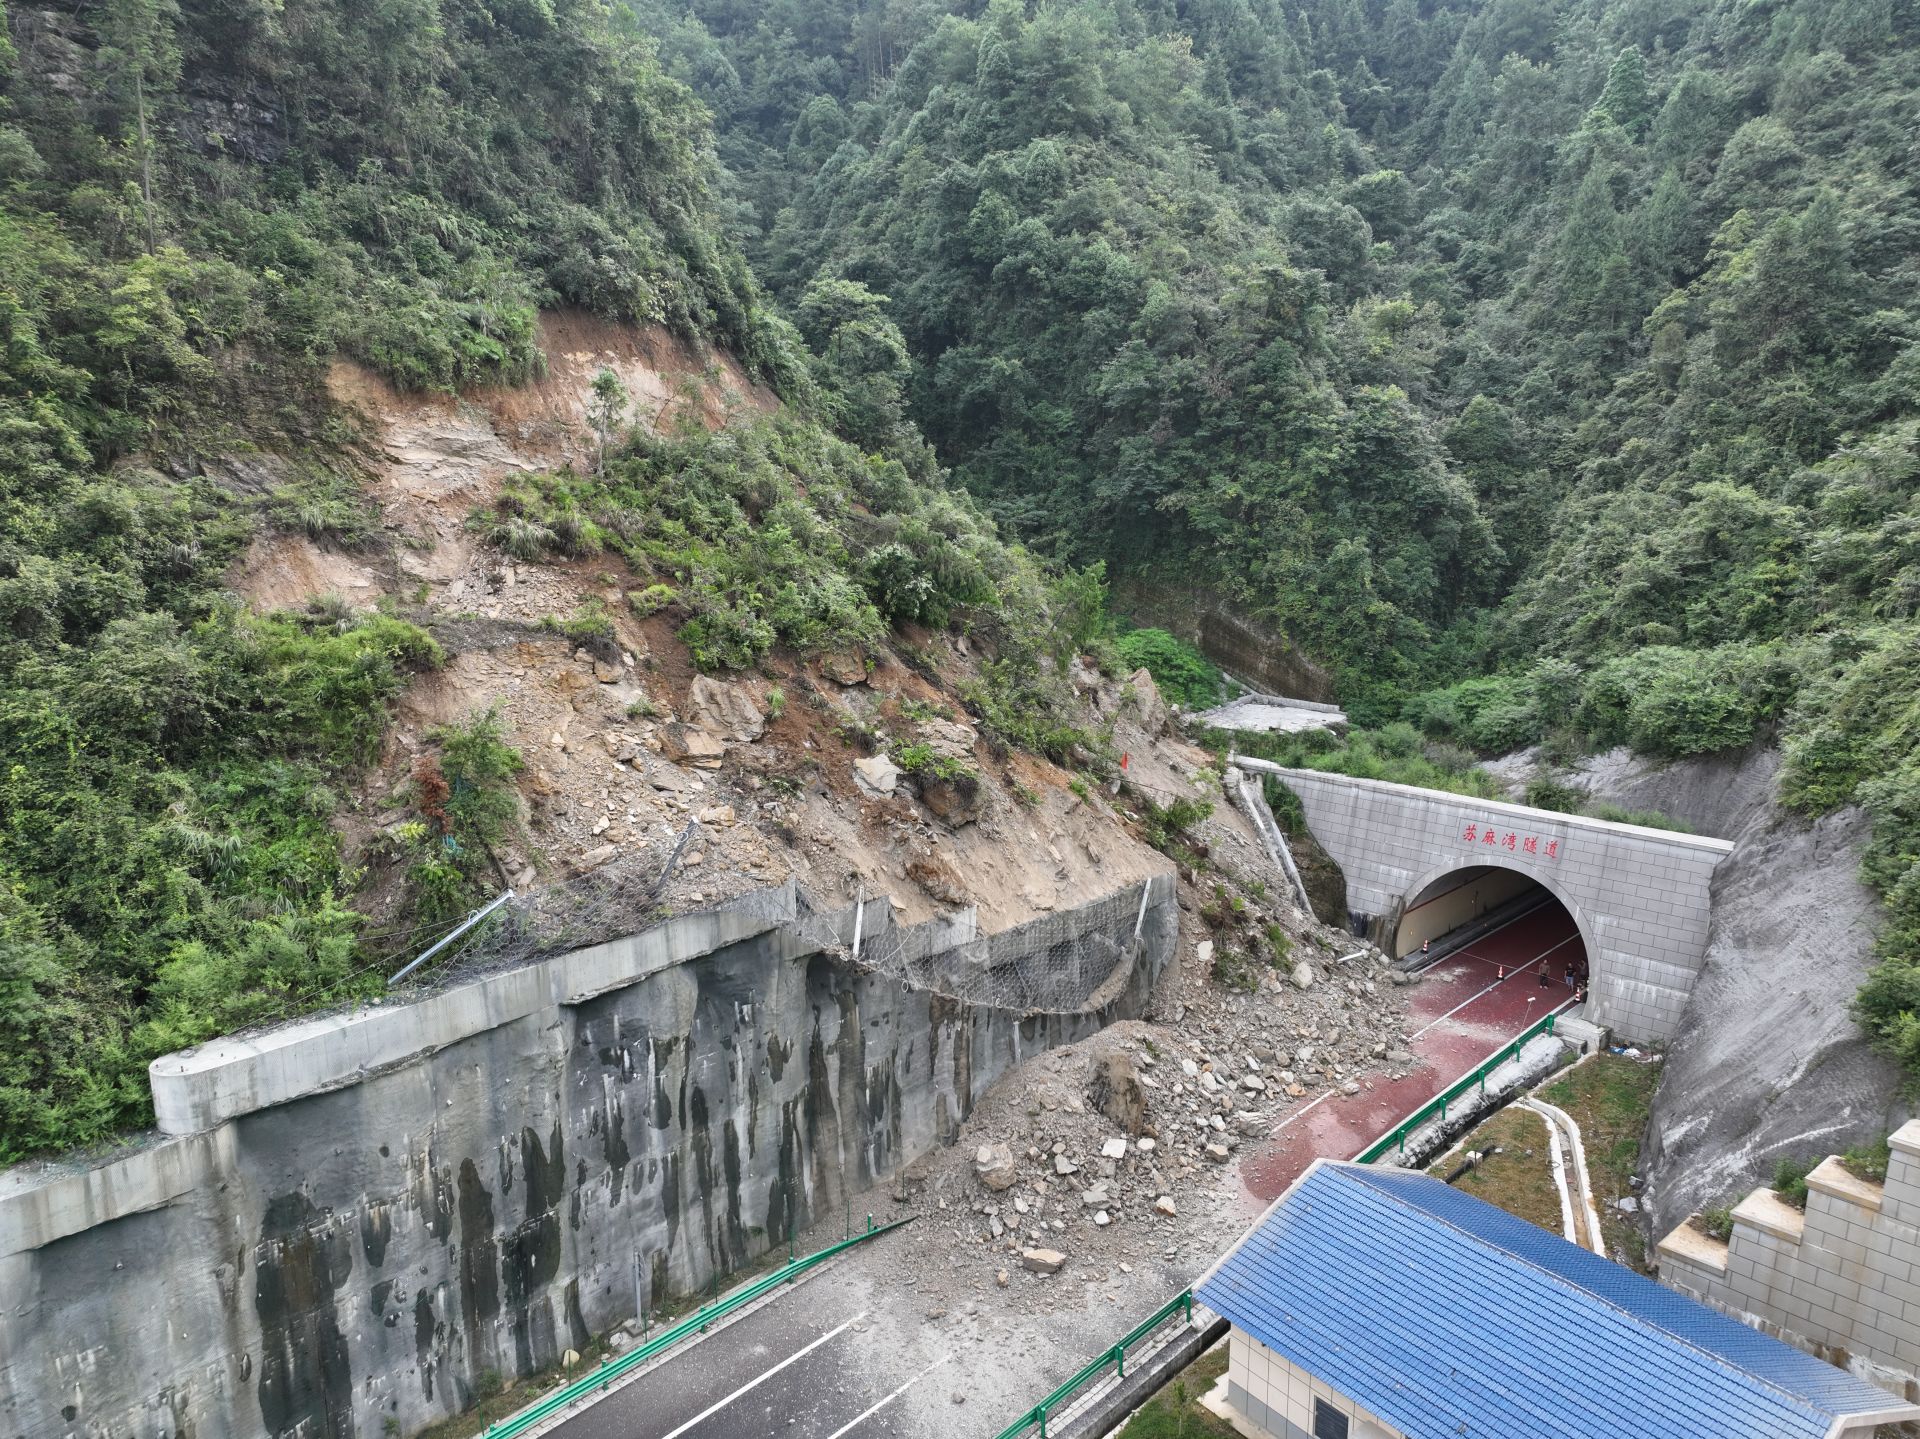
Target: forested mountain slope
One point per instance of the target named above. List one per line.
(202, 206)
(1567, 346)
(1544, 368)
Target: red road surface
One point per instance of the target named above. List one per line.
(1461, 1011)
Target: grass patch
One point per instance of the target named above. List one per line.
(1175, 1412)
(1396, 753)
(1608, 1097)
(1181, 672)
(1790, 1180)
(1869, 1161)
(1519, 1179)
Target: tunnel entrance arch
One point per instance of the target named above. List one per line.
(1452, 897)
(1641, 898)
(1493, 914)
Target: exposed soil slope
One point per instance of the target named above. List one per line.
(625, 743)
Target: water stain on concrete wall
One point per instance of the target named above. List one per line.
(306, 1374)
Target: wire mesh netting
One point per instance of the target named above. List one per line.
(1069, 962)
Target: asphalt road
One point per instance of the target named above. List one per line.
(851, 1353)
(1466, 1007)
(801, 1366)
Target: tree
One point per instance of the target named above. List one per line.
(1588, 246)
(138, 47)
(1625, 100)
(605, 411)
(1664, 233)
(1858, 27)
(864, 363)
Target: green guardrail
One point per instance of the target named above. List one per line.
(1397, 1136)
(570, 1394)
(1114, 1358)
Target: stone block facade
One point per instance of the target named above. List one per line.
(1641, 897)
(1841, 1280)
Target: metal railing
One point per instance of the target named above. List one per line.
(603, 1377)
(1114, 1358)
(1397, 1136)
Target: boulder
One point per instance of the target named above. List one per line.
(1043, 1261)
(1164, 1205)
(594, 858)
(1302, 975)
(1144, 695)
(845, 668)
(949, 739)
(994, 1164)
(685, 744)
(725, 709)
(1114, 1149)
(1117, 1093)
(1218, 1153)
(955, 802)
(876, 775)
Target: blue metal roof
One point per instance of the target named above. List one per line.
(1447, 1317)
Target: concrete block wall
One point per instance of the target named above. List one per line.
(1641, 897)
(355, 1224)
(1275, 1397)
(1841, 1280)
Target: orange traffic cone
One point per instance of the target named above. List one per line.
(1502, 974)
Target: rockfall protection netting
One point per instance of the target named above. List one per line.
(1070, 962)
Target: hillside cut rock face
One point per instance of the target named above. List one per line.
(1769, 1063)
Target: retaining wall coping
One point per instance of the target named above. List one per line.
(1770, 1214)
(44, 1202)
(1688, 1245)
(1832, 1177)
(1906, 1139)
(1706, 844)
(201, 1088)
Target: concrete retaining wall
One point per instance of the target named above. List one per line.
(353, 1225)
(1841, 1280)
(1641, 897)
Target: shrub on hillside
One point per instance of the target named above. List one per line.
(1184, 675)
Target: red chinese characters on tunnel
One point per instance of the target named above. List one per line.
(1490, 836)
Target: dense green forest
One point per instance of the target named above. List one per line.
(1544, 368)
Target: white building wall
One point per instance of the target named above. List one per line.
(1273, 1397)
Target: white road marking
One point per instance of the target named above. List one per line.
(891, 1397)
(752, 1384)
(1512, 973)
(1306, 1109)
